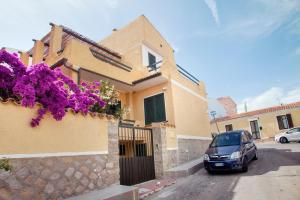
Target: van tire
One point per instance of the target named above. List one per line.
(255, 156)
(245, 165)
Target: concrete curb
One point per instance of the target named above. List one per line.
(114, 192)
(185, 169)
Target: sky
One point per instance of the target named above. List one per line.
(249, 50)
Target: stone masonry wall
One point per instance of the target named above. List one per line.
(159, 144)
(171, 158)
(164, 159)
(63, 176)
(190, 149)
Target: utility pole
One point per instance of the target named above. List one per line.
(213, 114)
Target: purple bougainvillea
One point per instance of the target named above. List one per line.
(40, 84)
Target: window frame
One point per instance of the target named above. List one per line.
(284, 121)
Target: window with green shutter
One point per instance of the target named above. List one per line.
(154, 108)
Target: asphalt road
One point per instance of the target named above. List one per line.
(275, 175)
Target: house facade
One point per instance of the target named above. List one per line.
(263, 123)
(152, 86)
(167, 116)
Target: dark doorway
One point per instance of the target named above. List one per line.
(255, 129)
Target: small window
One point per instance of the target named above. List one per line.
(228, 127)
(285, 121)
(152, 61)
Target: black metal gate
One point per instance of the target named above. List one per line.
(136, 155)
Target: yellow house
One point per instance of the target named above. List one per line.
(263, 123)
(141, 65)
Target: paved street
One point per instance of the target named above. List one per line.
(275, 175)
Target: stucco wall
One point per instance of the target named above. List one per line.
(190, 110)
(131, 37)
(75, 133)
(56, 160)
(267, 121)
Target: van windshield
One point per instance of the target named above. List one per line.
(227, 139)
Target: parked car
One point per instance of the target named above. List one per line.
(291, 135)
(230, 151)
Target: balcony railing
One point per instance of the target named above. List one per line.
(187, 75)
(154, 66)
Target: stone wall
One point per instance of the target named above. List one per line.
(159, 144)
(163, 158)
(62, 176)
(171, 158)
(190, 149)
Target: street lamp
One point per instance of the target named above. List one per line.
(213, 114)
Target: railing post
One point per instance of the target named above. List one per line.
(133, 135)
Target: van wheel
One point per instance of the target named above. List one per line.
(245, 165)
(284, 140)
(255, 156)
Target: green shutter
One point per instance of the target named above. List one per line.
(148, 109)
(160, 113)
(154, 108)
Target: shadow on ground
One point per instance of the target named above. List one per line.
(220, 186)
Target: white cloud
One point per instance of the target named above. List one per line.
(292, 96)
(273, 15)
(272, 97)
(212, 5)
